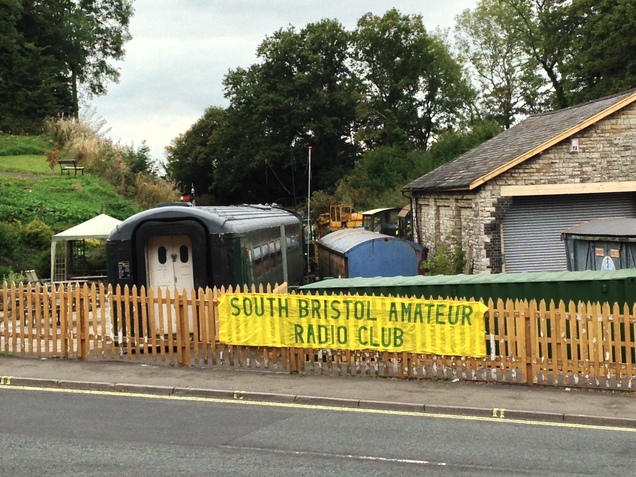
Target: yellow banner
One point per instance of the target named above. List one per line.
(446, 327)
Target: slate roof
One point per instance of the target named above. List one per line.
(517, 144)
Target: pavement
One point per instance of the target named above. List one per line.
(507, 401)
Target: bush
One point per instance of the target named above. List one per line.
(448, 259)
(10, 241)
(95, 254)
(37, 234)
(9, 276)
(41, 264)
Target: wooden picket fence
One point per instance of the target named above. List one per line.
(576, 345)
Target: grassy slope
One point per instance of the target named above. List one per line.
(60, 201)
(30, 189)
(27, 163)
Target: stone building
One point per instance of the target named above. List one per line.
(508, 200)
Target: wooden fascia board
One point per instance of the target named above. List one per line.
(555, 140)
(567, 189)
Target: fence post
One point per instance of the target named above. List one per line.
(529, 341)
(80, 318)
(294, 365)
(183, 331)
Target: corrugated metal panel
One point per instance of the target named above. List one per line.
(604, 286)
(482, 278)
(533, 225)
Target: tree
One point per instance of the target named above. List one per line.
(139, 160)
(453, 144)
(192, 157)
(489, 39)
(84, 36)
(603, 60)
(544, 28)
(381, 173)
(301, 93)
(379, 176)
(413, 87)
(32, 84)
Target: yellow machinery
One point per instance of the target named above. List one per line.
(340, 216)
(395, 221)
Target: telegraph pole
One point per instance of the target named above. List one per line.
(309, 207)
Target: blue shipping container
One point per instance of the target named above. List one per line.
(349, 253)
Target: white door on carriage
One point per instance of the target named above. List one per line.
(169, 262)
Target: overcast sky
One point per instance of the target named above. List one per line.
(182, 49)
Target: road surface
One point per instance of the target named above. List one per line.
(65, 433)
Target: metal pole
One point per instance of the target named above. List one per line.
(309, 208)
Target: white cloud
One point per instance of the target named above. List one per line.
(182, 49)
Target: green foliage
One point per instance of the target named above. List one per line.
(9, 241)
(453, 144)
(490, 39)
(603, 57)
(50, 50)
(412, 85)
(9, 276)
(545, 33)
(301, 93)
(447, 259)
(40, 261)
(381, 173)
(96, 254)
(379, 176)
(37, 234)
(30, 164)
(32, 83)
(191, 157)
(82, 141)
(139, 160)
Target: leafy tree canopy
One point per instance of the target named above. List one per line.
(603, 57)
(300, 94)
(489, 39)
(191, 157)
(413, 87)
(51, 49)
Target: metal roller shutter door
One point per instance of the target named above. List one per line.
(532, 227)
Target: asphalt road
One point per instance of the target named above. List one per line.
(60, 433)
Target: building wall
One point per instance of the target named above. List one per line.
(607, 153)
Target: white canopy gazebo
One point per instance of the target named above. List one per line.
(98, 227)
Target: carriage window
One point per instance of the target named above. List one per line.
(162, 255)
(183, 253)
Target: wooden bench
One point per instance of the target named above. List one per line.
(69, 165)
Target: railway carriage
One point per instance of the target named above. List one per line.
(181, 246)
